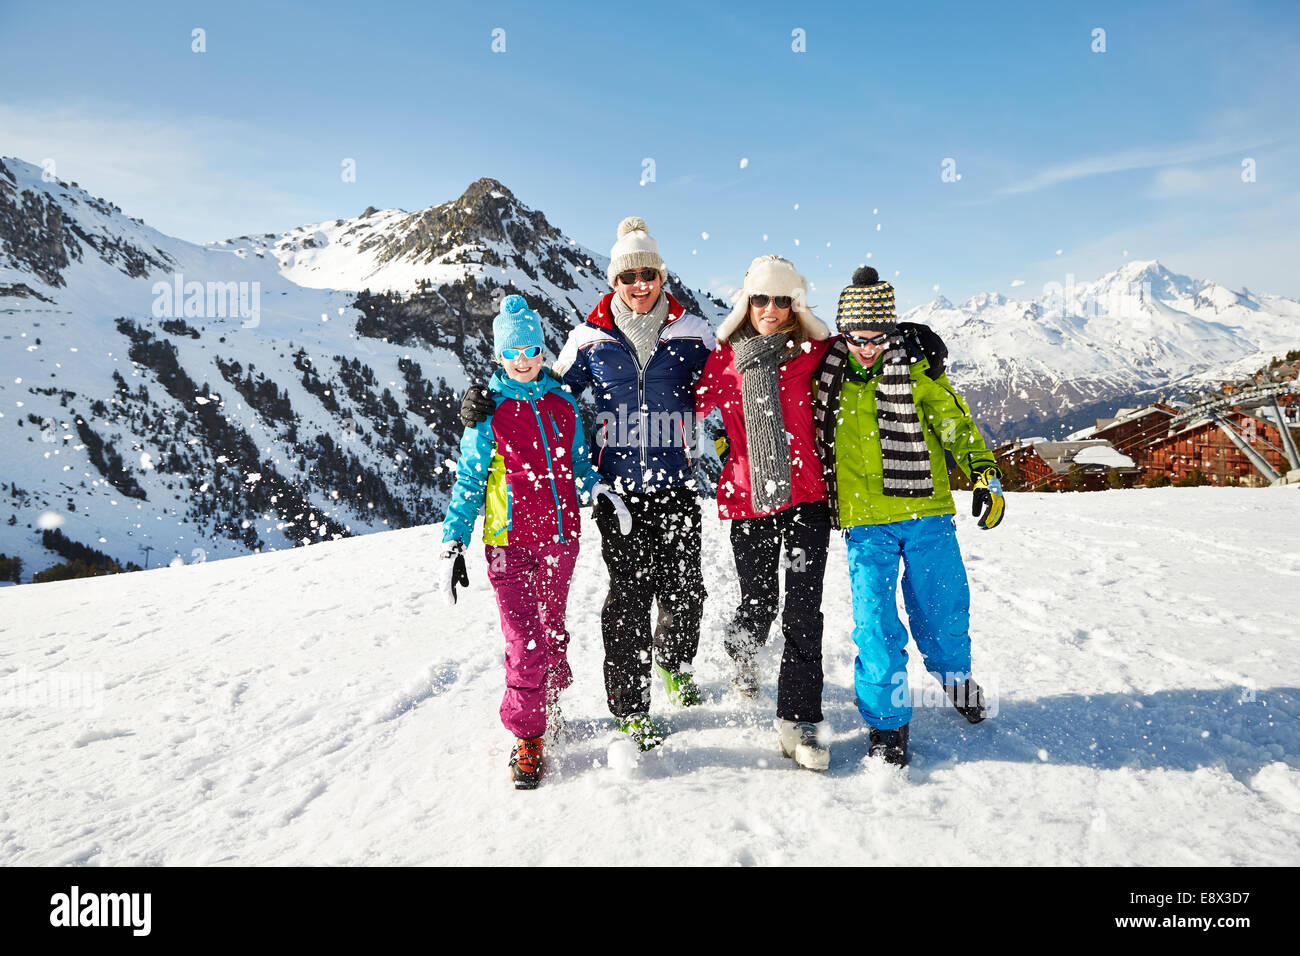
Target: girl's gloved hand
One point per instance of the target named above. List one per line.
(451, 571)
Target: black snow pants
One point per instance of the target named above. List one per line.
(658, 560)
(805, 531)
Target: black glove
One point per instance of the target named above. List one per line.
(476, 406)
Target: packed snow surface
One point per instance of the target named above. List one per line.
(322, 706)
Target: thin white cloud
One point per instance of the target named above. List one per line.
(1178, 181)
(177, 174)
(1144, 157)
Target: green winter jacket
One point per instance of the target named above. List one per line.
(946, 424)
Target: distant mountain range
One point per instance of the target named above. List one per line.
(202, 401)
(1054, 363)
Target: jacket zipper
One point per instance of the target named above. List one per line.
(640, 395)
(640, 411)
(550, 466)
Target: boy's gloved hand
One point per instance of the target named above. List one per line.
(476, 405)
(988, 503)
(723, 447)
(451, 571)
(606, 500)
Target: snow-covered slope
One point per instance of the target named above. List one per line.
(1077, 352)
(322, 706)
(161, 400)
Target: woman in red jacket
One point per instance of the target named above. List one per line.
(772, 489)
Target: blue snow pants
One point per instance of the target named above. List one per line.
(937, 599)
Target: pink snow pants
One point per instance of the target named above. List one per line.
(531, 582)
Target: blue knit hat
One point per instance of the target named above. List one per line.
(516, 326)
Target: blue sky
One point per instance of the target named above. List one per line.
(1135, 150)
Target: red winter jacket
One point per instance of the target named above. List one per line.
(719, 387)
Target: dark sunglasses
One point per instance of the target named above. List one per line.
(647, 275)
(863, 341)
(531, 351)
(781, 301)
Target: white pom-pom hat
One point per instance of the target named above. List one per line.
(773, 275)
(635, 249)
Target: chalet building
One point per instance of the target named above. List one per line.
(1245, 435)
(1060, 465)
(1204, 444)
(1133, 428)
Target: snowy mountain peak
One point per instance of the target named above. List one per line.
(484, 231)
(978, 301)
(486, 215)
(1143, 266)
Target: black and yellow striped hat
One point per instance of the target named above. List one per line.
(866, 304)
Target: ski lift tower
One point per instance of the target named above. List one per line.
(1259, 396)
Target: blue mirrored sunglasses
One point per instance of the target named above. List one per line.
(531, 352)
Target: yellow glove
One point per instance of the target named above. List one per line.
(988, 503)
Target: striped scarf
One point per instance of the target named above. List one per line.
(905, 457)
(826, 410)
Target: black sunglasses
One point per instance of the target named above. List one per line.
(863, 339)
(761, 301)
(647, 275)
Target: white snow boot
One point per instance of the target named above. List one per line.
(799, 740)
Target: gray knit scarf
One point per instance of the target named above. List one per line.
(905, 457)
(758, 360)
(642, 330)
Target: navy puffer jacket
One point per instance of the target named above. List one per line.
(645, 417)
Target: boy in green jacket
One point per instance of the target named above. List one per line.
(883, 427)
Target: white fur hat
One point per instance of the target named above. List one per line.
(635, 249)
(773, 275)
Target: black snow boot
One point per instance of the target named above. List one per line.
(890, 744)
(968, 698)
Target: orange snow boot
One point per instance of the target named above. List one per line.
(526, 763)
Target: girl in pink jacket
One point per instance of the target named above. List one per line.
(528, 465)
